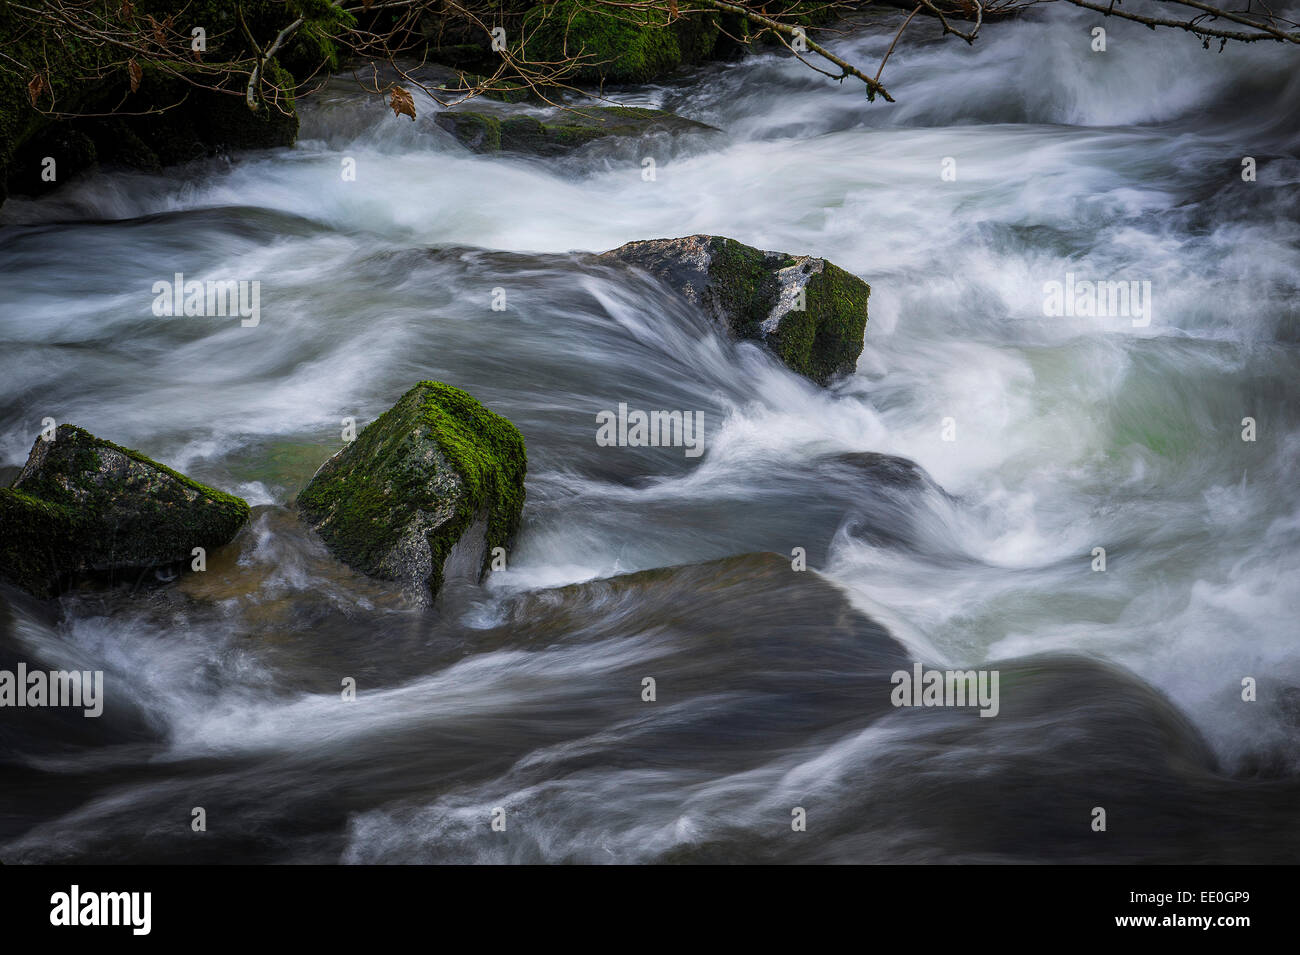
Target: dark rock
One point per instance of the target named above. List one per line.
(83, 505)
(886, 469)
(562, 132)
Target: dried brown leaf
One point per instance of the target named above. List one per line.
(137, 74)
(159, 31)
(402, 102)
(36, 87)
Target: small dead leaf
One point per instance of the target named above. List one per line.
(159, 31)
(672, 9)
(126, 10)
(36, 87)
(402, 102)
(137, 74)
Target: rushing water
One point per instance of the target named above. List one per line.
(1119, 689)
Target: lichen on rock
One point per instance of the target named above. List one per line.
(424, 493)
(809, 312)
(82, 505)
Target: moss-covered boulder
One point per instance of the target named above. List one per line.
(627, 45)
(811, 313)
(563, 132)
(82, 505)
(424, 493)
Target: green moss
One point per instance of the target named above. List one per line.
(366, 499)
(618, 45)
(486, 450)
(311, 48)
(477, 131)
(72, 512)
(314, 47)
(819, 342)
(632, 46)
(742, 283)
(528, 134)
(826, 338)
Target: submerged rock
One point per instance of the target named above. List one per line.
(887, 469)
(424, 493)
(84, 505)
(809, 312)
(563, 132)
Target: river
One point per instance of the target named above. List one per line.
(1041, 437)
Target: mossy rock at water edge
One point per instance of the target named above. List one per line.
(425, 493)
(561, 133)
(82, 505)
(810, 313)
